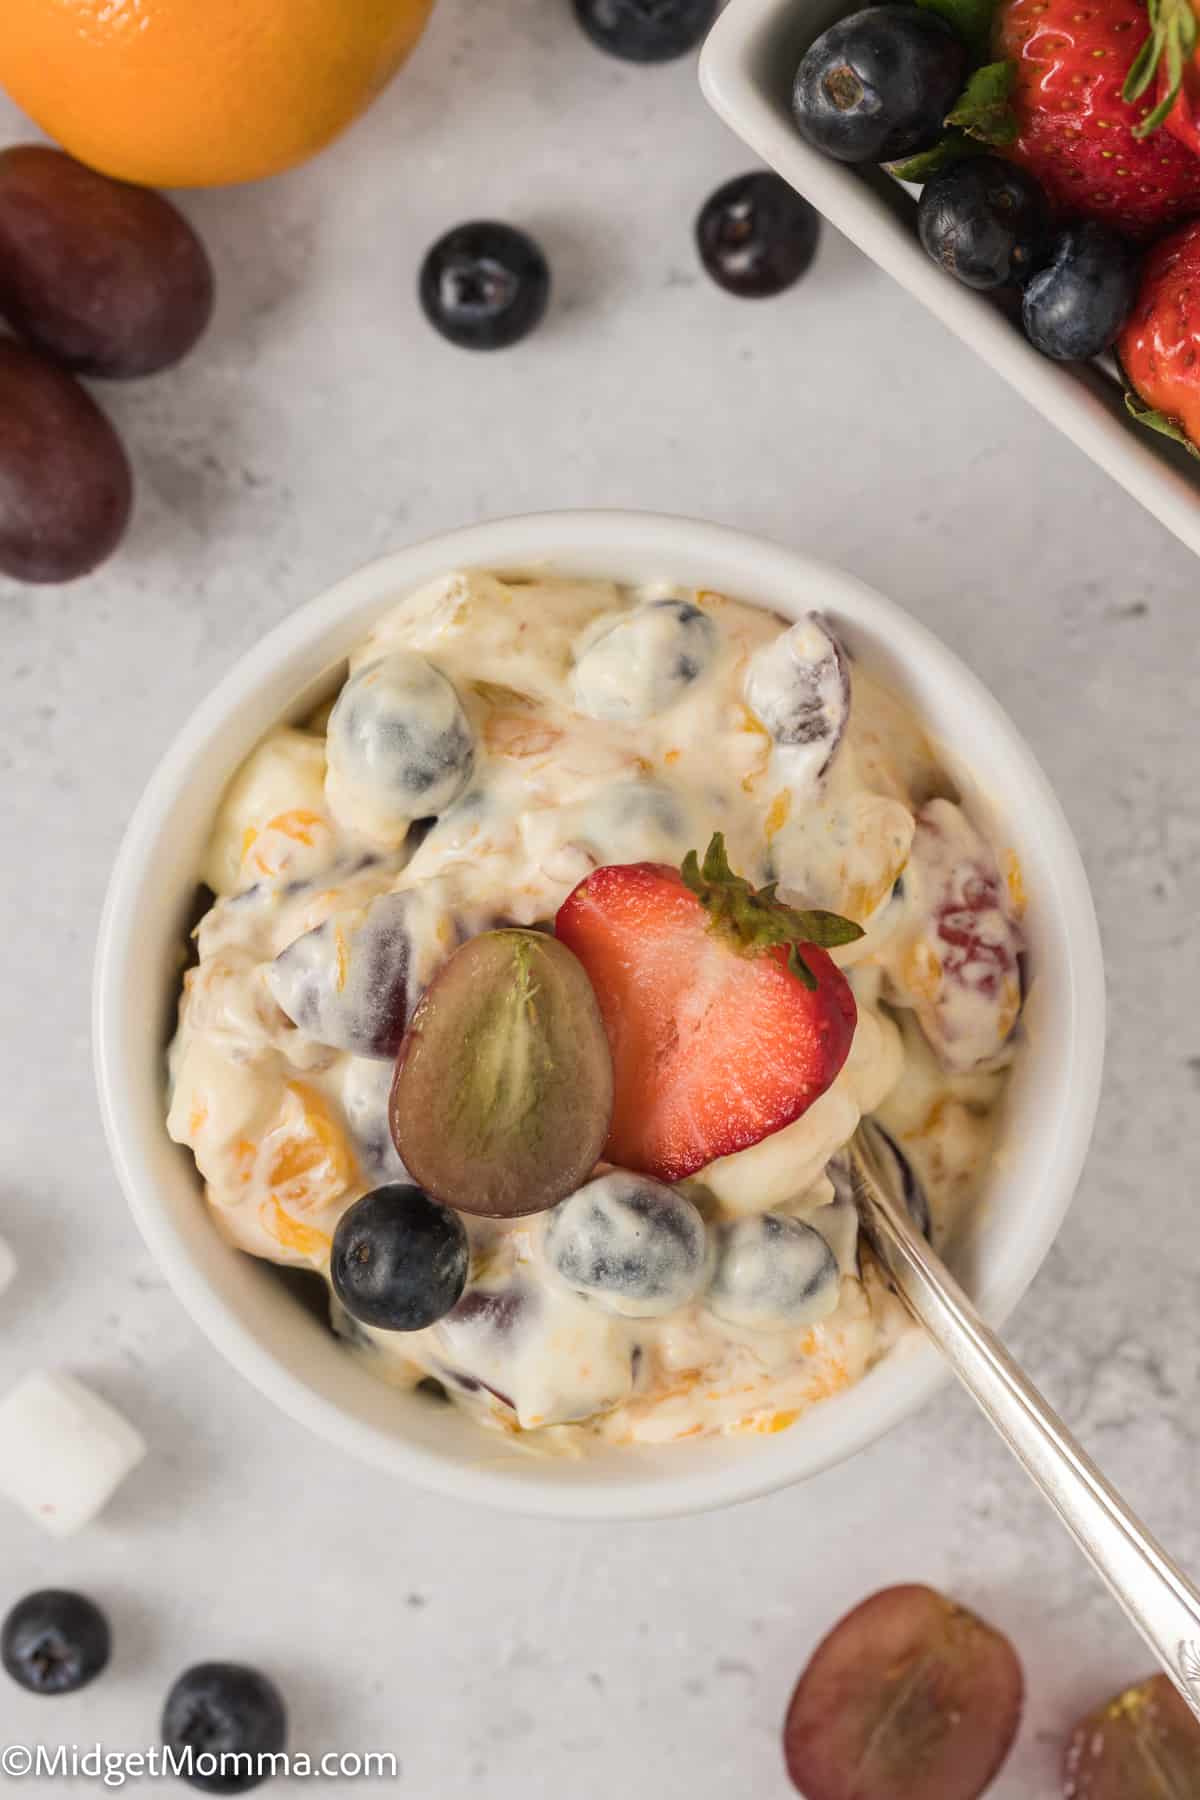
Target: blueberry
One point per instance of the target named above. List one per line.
(878, 85)
(756, 235)
(984, 221)
(399, 1260)
(646, 31)
(638, 1247)
(485, 286)
(1074, 308)
(54, 1642)
(226, 1716)
(399, 745)
(645, 662)
(773, 1273)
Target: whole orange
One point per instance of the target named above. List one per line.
(196, 93)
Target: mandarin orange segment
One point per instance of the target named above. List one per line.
(310, 1163)
(305, 1240)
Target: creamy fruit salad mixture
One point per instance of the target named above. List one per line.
(546, 975)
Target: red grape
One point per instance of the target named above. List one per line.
(106, 278)
(910, 1697)
(65, 485)
(1142, 1745)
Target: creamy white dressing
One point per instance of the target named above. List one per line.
(562, 726)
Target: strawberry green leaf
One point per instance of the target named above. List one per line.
(1172, 42)
(983, 110)
(972, 19)
(954, 147)
(1161, 422)
(754, 918)
(1142, 70)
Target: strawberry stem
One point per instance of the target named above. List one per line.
(754, 918)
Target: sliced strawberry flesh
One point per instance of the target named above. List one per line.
(713, 1049)
(1076, 131)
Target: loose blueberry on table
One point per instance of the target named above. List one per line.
(225, 1709)
(646, 31)
(485, 286)
(756, 235)
(55, 1641)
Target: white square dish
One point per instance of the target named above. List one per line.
(746, 73)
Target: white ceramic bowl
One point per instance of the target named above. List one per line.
(284, 1350)
(746, 72)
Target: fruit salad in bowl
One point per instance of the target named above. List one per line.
(550, 948)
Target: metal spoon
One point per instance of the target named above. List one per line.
(1157, 1596)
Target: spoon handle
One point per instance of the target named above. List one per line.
(1157, 1596)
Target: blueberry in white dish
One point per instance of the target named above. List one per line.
(645, 662)
(485, 285)
(1074, 308)
(399, 1260)
(55, 1641)
(646, 31)
(878, 85)
(773, 1273)
(224, 1710)
(634, 1244)
(399, 746)
(984, 221)
(756, 235)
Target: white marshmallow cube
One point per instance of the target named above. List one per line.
(8, 1266)
(63, 1450)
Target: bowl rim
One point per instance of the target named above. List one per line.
(523, 541)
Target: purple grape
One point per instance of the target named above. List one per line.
(799, 686)
(352, 981)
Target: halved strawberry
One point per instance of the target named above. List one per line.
(1082, 118)
(725, 1019)
(1159, 347)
